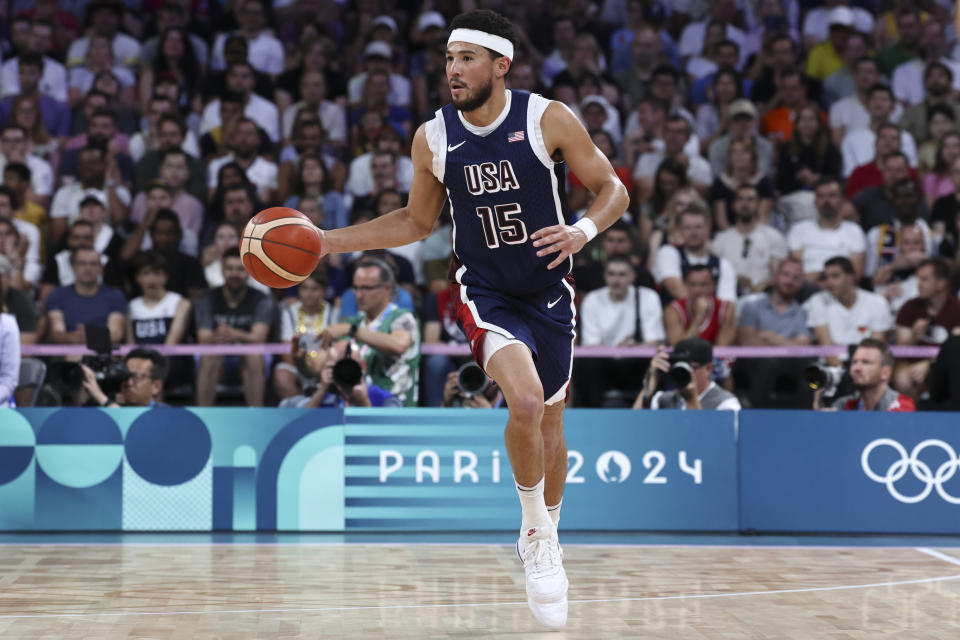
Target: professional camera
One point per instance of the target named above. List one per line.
(110, 371)
(471, 380)
(681, 372)
(826, 378)
(347, 372)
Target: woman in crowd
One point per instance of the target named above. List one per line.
(176, 59)
(313, 181)
(809, 155)
(712, 118)
(741, 169)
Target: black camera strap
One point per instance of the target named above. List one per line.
(637, 328)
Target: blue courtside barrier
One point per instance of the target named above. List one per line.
(238, 469)
(850, 472)
(411, 469)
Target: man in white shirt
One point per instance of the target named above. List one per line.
(850, 113)
(843, 313)
(753, 248)
(244, 145)
(240, 79)
(859, 146)
(379, 55)
(360, 182)
(313, 94)
(908, 76)
(265, 52)
(608, 315)
(675, 136)
(813, 242)
(105, 20)
(672, 264)
(694, 35)
(619, 314)
(52, 80)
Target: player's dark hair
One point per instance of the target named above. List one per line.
(488, 22)
(840, 261)
(159, 369)
(886, 358)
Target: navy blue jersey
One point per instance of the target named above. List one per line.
(502, 186)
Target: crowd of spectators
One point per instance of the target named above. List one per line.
(793, 166)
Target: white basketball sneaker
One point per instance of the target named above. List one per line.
(547, 584)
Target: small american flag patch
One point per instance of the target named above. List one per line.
(516, 136)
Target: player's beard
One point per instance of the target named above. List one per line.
(480, 95)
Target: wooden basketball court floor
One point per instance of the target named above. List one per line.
(471, 586)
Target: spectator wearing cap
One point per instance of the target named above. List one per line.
(27, 255)
(265, 52)
(313, 99)
(86, 301)
(427, 67)
(908, 46)
(54, 113)
(700, 393)
(378, 56)
(875, 205)
(46, 74)
(596, 112)
(859, 146)
(92, 177)
(676, 135)
(816, 24)
(851, 113)
(13, 143)
(741, 124)
(240, 79)
(103, 19)
(15, 302)
(824, 59)
(938, 82)
(244, 149)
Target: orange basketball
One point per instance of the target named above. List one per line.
(280, 247)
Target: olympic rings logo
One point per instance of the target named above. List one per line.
(913, 464)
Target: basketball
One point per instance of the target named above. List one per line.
(280, 247)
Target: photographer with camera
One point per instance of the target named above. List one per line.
(389, 335)
(688, 367)
(340, 382)
(470, 387)
(870, 369)
(138, 382)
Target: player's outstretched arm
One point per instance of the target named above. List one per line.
(563, 132)
(402, 226)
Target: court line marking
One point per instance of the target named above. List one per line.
(703, 596)
(939, 555)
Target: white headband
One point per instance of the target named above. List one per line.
(495, 43)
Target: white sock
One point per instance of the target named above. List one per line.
(534, 510)
(554, 512)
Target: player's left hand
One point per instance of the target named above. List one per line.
(565, 238)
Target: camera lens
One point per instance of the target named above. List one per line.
(680, 374)
(471, 380)
(815, 377)
(347, 373)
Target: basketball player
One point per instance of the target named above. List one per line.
(498, 156)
